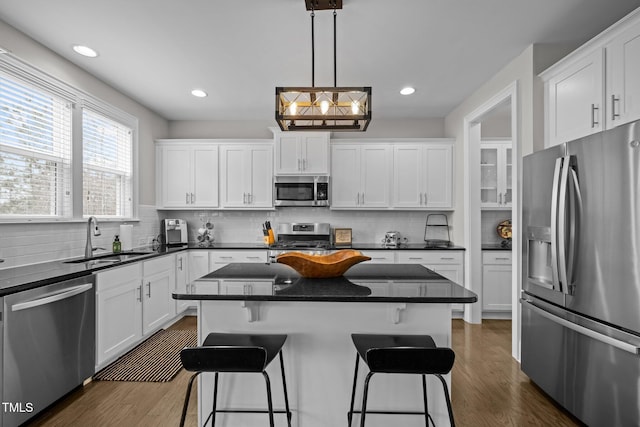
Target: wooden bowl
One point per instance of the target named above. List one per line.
(322, 266)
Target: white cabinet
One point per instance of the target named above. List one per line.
(423, 175)
(623, 83)
(118, 311)
(380, 256)
(198, 264)
(596, 87)
(495, 178)
(575, 99)
(220, 258)
(246, 179)
(302, 153)
(360, 176)
(242, 287)
(186, 174)
(496, 281)
(158, 282)
(448, 264)
(182, 281)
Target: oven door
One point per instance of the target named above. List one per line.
(294, 191)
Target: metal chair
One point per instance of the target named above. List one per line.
(235, 353)
(401, 354)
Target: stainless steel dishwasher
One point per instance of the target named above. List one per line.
(48, 346)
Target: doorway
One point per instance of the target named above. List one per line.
(501, 107)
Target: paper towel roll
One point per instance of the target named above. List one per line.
(126, 237)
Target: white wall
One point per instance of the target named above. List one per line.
(37, 242)
(399, 128)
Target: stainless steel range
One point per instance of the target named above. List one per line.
(314, 238)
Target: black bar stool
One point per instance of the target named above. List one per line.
(235, 353)
(401, 354)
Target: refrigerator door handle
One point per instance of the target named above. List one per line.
(554, 223)
(562, 224)
(576, 216)
(622, 345)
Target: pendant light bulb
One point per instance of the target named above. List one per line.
(293, 108)
(324, 106)
(355, 107)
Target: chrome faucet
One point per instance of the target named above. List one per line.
(88, 250)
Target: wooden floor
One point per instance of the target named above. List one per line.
(488, 390)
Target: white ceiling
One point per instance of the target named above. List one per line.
(156, 51)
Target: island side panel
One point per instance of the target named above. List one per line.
(319, 361)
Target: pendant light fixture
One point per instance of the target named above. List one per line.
(323, 108)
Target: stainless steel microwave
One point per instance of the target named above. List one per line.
(301, 191)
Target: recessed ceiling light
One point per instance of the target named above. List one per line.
(407, 91)
(199, 93)
(85, 51)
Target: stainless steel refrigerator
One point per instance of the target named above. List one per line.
(581, 275)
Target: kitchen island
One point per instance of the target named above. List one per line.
(319, 316)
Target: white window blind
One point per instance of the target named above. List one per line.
(107, 166)
(35, 151)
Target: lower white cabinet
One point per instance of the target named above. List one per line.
(182, 281)
(118, 311)
(132, 302)
(220, 258)
(496, 281)
(158, 283)
(242, 287)
(446, 263)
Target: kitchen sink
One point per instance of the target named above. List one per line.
(110, 258)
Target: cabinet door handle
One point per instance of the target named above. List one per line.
(448, 258)
(357, 198)
(244, 198)
(139, 296)
(500, 202)
(415, 257)
(180, 267)
(304, 164)
(363, 198)
(149, 287)
(502, 258)
(425, 199)
(614, 99)
(594, 108)
(187, 198)
(193, 198)
(420, 199)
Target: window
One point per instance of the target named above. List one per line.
(106, 166)
(63, 153)
(35, 152)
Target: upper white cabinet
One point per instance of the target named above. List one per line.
(596, 87)
(186, 174)
(495, 178)
(623, 81)
(575, 99)
(423, 175)
(360, 175)
(301, 153)
(246, 175)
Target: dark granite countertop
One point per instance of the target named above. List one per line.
(495, 247)
(408, 283)
(17, 279)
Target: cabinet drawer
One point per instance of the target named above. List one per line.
(496, 257)
(116, 276)
(227, 257)
(157, 265)
(429, 257)
(380, 257)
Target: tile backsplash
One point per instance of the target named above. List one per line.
(29, 243)
(246, 227)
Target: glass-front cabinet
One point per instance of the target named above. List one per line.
(495, 170)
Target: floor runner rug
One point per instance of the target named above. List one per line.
(157, 359)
